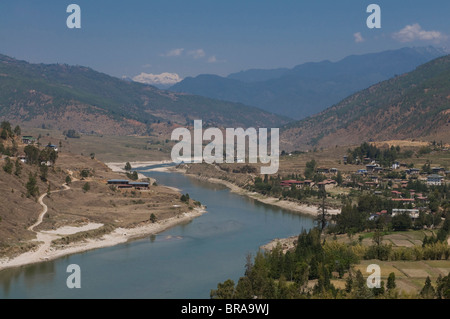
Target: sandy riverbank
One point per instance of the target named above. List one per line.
(46, 252)
(285, 204)
(120, 167)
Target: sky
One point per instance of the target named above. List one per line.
(168, 40)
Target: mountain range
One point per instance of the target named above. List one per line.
(415, 105)
(77, 97)
(308, 88)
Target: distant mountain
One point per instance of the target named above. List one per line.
(257, 75)
(308, 88)
(78, 97)
(411, 106)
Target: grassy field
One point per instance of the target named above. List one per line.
(410, 275)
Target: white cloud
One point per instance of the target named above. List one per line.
(358, 37)
(212, 59)
(197, 54)
(415, 32)
(174, 52)
(158, 79)
(146, 66)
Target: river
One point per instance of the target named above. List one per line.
(186, 261)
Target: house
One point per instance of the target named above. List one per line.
(54, 147)
(333, 170)
(413, 213)
(371, 167)
(413, 171)
(322, 170)
(289, 183)
(118, 182)
(139, 185)
(396, 194)
(327, 184)
(29, 140)
(362, 172)
(378, 169)
(434, 180)
(436, 170)
(22, 158)
(396, 165)
(404, 200)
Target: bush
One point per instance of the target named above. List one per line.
(86, 187)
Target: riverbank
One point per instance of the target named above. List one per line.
(93, 235)
(309, 210)
(46, 251)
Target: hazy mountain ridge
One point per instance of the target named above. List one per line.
(79, 97)
(311, 87)
(413, 105)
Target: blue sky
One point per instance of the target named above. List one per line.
(191, 37)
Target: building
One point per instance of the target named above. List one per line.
(29, 140)
(413, 171)
(434, 180)
(413, 213)
(118, 181)
(54, 147)
(125, 184)
(289, 183)
(139, 185)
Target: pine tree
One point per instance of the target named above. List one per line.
(428, 291)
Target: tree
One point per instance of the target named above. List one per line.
(4, 135)
(360, 289)
(401, 222)
(377, 241)
(17, 130)
(44, 172)
(68, 180)
(128, 166)
(391, 285)
(6, 126)
(244, 289)
(92, 155)
(339, 178)
(8, 167)
(86, 187)
(32, 154)
(32, 188)
(428, 291)
(153, 218)
(310, 169)
(322, 212)
(18, 170)
(224, 290)
(72, 134)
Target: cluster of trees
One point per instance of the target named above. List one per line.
(385, 157)
(279, 275)
(185, 198)
(9, 165)
(268, 275)
(7, 131)
(36, 156)
(131, 175)
(71, 134)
